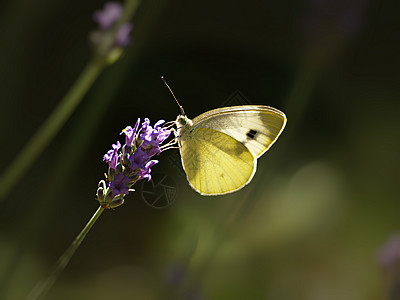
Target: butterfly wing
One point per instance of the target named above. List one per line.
(257, 127)
(219, 149)
(215, 163)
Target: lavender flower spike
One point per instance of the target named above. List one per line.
(131, 162)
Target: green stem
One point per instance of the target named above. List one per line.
(41, 289)
(25, 158)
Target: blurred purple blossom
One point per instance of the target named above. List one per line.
(112, 34)
(122, 37)
(111, 13)
(389, 254)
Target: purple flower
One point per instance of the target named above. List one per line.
(122, 37)
(153, 137)
(120, 185)
(130, 133)
(160, 134)
(111, 13)
(157, 125)
(145, 124)
(163, 135)
(111, 157)
(131, 163)
(112, 35)
(148, 139)
(145, 133)
(145, 173)
(138, 159)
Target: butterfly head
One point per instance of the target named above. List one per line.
(184, 125)
(183, 121)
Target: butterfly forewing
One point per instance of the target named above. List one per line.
(256, 127)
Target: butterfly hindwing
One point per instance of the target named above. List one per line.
(215, 163)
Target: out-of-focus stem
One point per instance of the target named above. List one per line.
(51, 126)
(41, 289)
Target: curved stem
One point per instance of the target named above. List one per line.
(38, 142)
(41, 289)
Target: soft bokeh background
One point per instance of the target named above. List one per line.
(324, 200)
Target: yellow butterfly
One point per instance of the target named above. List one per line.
(219, 148)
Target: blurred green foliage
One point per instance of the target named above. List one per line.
(324, 198)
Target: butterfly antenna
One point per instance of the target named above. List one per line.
(163, 79)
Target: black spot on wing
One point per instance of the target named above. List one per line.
(251, 134)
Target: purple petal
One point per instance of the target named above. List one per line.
(163, 135)
(145, 124)
(136, 125)
(111, 157)
(108, 156)
(130, 133)
(145, 173)
(116, 146)
(151, 163)
(158, 124)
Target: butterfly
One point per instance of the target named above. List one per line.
(219, 148)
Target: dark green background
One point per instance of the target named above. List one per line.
(325, 197)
